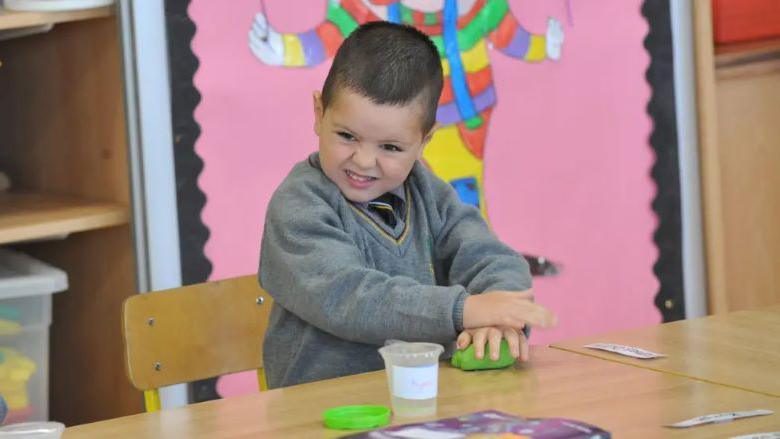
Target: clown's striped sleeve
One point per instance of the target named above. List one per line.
(312, 47)
(511, 38)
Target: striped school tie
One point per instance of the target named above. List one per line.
(385, 206)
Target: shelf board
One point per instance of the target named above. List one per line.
(18, 19)
(727, 55)
(30, 216)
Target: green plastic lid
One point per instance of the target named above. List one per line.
(356, 417)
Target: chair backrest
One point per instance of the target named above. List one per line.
(194, 332)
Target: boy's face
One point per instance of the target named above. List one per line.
(367, 149)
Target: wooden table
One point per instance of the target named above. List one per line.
(627, 401)
(739, 349)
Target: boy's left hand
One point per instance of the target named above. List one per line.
(518, 344)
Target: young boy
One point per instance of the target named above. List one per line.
(363, 244)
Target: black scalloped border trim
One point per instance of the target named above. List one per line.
(193, 234)
(666, 170)
(183, 63)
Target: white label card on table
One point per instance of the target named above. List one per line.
(416, 382)
(767, 435)
(628, 351)
(719, 417)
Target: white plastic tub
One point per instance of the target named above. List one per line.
(26, 286)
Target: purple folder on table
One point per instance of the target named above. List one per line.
(490, 423)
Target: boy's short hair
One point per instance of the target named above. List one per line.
(389, 64)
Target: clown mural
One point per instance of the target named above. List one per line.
(463, 32)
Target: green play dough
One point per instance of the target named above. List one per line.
(465, 359)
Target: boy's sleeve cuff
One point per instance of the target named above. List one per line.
(457, 311)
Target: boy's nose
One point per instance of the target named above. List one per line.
(364, 157)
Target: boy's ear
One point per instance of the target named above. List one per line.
(427, 138)
(318, 111)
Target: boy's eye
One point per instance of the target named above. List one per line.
(390, 147)
(346, 136)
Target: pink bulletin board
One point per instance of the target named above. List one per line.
(567, 157)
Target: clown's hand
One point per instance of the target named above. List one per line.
(266, 43)
(554, 39)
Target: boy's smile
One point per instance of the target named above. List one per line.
(368, 149)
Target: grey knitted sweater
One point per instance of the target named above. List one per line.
(342, 286)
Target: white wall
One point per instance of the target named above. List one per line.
(151, 154)
(687, 141)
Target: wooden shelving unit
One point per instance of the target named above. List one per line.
(738, 93)
(63, 145)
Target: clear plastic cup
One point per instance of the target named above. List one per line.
(412, 376)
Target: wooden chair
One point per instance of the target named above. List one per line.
(194, 332)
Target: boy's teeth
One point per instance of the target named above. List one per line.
(358, 177)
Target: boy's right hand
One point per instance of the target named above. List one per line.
(491, 337)
(512, 309)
